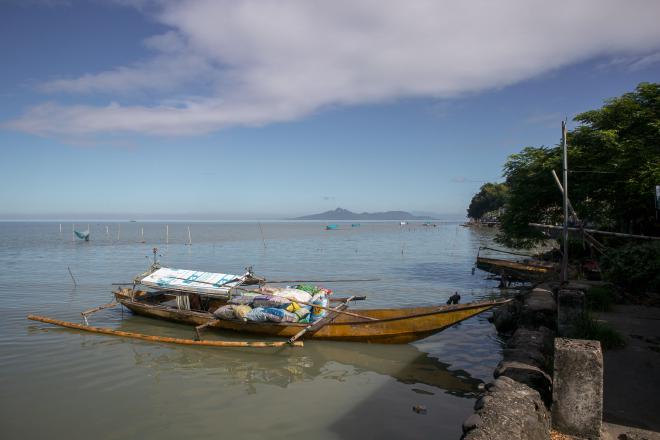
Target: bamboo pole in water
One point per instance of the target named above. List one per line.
(107, 331)
(72, 278)
(262, 235)
(167, 234)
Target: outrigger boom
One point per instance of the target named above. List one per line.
(107, 331)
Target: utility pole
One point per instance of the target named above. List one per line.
(564, 259)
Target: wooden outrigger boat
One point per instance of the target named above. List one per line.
(191, 297)
(516, 270)
(390, 326)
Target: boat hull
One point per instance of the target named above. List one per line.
(391, 326)
(516, 271)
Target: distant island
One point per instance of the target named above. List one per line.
(345, 214)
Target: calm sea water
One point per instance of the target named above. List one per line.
(62, 383)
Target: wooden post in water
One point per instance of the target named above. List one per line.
(72, 278)
(167, 234)
(73, 232)
(118, 230)
(262, 235)
(189, 237)
(60, 228)
(564, 259)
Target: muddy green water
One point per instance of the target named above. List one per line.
(61, 383)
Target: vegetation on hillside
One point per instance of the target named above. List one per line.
(488, 202)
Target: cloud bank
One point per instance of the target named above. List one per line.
(254, 62)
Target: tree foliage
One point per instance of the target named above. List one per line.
(614, 165)
(635, 267)
(491, 197)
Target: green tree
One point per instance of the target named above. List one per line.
(614, 163)
(491, 197)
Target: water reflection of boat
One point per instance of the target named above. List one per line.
(406, 364)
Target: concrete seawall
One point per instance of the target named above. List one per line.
(544, 380)
(516, 405)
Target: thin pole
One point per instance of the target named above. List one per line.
(564, 260)
(189, 237)
(72, 278)
(262, 235)
(167, 234)
(118, 230)
(595, 231)
(60, 228)
(73, 232)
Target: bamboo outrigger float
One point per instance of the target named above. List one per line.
(107, 331)
(191, 297)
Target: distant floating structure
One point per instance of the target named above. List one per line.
(429, 224)
(331, 227)
(83, 235)
(355, 225)
(403, 223)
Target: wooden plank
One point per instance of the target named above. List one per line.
(96, 309)
(107, 331)
(324, 321)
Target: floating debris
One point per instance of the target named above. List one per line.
(419, 409)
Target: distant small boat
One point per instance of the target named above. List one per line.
(83, 235)
(355, 225)
(331, 227)
(429, 224)
(403, 223)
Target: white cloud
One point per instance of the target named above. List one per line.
(260, 61)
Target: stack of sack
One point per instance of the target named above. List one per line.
(290, 304)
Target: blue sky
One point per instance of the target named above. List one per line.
(243, 109)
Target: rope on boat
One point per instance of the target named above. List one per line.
(107, 331)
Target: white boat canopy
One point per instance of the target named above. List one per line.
(192, 281)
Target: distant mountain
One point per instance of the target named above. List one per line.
(344, 214)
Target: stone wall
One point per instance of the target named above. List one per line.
(516, 405)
